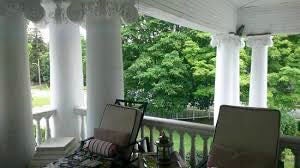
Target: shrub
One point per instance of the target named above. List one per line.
(288, 124)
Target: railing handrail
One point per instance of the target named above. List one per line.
(179, 125)
(291, 142)
(39, 113)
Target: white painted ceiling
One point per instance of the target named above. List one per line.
(260, 3)
(223, 16)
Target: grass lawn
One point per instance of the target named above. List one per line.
(40, 95)
(42, 87)
(40, 101)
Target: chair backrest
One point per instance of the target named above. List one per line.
(122, 119)
(142, 106)
(248, 129)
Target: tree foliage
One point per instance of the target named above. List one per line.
(167, 65)
(172, 66)
(38, 52)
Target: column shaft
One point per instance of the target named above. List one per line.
(66, 77)
(236, 77)
(259, 70)
(258, 78)
(227, 81)
(104, 66)
(16, 133)
(223, 81)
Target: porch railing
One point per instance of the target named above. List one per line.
(38, 115)
(185, 132)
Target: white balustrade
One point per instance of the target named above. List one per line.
(193, 130)
(38, 115)
(182, 128)
(81, 112)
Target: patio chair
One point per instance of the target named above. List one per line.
(118, 129)
(245, 137)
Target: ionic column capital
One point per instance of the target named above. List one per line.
(260, 41)
(31, 8)
(125, 9)
(217, 39)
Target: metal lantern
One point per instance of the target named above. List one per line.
(164, 150)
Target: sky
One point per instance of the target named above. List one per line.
(45, 32)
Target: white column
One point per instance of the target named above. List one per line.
(259, 69)
(16, 133)
(227, 87)
(66, 73)
(66, 77)
(104, 57)
(104, 66)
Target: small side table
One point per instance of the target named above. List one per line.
(148, 160)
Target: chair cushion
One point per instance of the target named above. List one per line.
(102, 147)
(115, 137)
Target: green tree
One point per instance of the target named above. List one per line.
(284, 73)
(38, 56)
(167, 65)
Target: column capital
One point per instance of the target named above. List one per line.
(260, 41)
(65, 11)
(56, 11)
(217, 39)
(125, 9)
(31, 8)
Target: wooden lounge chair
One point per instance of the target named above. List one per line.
(245, 137)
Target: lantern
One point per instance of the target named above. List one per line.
(164, 150)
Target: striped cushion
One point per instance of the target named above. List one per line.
(102, 147)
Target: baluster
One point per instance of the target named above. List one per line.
(205, 146)
(142, 132)
(48, 131)
(193, 150)
(181, 146)
(38, 137)
(297, 157)
(170, 131)
(159, 130)
(151, 139)
(142, 136)
(82, 128)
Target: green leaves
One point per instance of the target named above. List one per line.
(38, 56)
(170, 66)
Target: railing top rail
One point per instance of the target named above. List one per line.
(291, 142)
(39, 113)
(179, 125)
(80, 110)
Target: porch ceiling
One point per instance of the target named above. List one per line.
(259, 16)
(261, 3)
